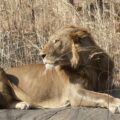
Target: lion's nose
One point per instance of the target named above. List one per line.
(43, 56)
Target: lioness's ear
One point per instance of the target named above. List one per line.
(78, 35)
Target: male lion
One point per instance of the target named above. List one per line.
(75, 72)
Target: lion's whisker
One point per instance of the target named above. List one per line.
(82, 49)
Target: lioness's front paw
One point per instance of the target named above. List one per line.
(115, 107)
(117, 110)
(21, 105)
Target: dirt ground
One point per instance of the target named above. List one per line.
(59, 114)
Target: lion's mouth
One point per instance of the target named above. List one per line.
(46, 61)
(49, 66)
(53, 63)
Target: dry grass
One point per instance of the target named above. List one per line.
(23, 22)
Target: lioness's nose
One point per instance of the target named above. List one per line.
(43, 56)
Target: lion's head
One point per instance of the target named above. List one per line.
(64, 46)
(73, 48)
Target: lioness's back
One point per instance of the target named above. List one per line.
(36, 79)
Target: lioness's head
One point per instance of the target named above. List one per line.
(64, 47)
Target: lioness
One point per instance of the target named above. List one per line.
(75, 72)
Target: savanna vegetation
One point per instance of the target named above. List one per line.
(25, 26)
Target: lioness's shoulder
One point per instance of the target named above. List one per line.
(24, 68)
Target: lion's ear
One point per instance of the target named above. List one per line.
(78, 35)
(82, 37)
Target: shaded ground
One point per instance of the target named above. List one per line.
(59, 114)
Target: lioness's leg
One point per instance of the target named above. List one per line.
(5, 97)
(93, 99)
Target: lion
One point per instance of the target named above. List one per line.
(75, 72)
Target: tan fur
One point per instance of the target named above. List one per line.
(75, 56)
(80, 73)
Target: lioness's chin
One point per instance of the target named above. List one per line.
(49, 66)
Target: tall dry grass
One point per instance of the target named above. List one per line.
(25, 24)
